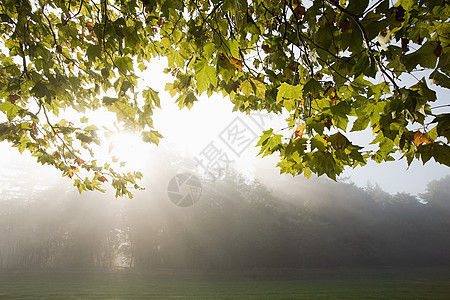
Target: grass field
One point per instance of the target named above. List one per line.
(281, 284)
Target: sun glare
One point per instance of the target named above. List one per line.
(125, 147)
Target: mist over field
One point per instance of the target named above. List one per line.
(238, 223)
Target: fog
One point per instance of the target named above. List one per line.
(238, 223)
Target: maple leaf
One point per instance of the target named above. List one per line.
(90, 26)
(298, 9)
(299, 131)
(13, 98)
(79, 161)
(266, 48)
(324, 90)
(102, 179)
(438, 50)
(344, 25)
(237, 63)
(420, 138)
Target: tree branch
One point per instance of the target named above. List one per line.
(366, 41)
(297, 30)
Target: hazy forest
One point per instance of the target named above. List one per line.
(238, 224)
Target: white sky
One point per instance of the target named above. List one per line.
(189, 132)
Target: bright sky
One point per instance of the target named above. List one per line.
(209, 124)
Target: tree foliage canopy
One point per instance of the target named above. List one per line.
(335, 66)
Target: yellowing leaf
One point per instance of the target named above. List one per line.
(288, 91)
(246, 88)
(299, 10)
(90, 26)
(13, 98)
(420, 138)
(79, 161)
(237, 63)
(299, 131)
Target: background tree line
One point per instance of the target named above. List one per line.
(237, 224)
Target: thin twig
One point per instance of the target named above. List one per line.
(76, 14)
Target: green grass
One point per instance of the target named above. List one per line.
(287, 284)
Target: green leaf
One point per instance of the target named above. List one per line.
(107, 101)
(440, 79)
(94, 51)
(444, 63)
(406, 4)
(361, 123)
(205, 76)
(287, 91)
(269, 142)
(443, 125)
(80, 186)
(190, 99)
(441, 153)
(91, 128)
(338, 141)
(340, 114)
(208, 50)
(356, 39)
(123, 111)
(313, 87)
(186, 100)
(166, 42)
(424, 57)
(175, 59)
(246, 88)
(151, 136)
(319, 143)
(357, 7)
(10, 109)
(423, 90)
(124, 64)
(260, 88)
(365, 65)
(151, 97)
(40, 90)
